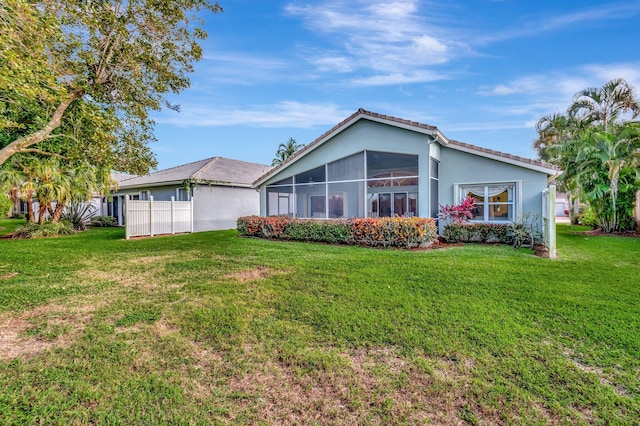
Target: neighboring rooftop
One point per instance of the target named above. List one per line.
(215, 170)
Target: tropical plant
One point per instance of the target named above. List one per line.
(286, 150)
(46, 229)
(79, 214)
(598, 151)
(5, 206)
(604, 105)
(458, 213)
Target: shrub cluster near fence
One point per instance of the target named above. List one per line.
(405, 232)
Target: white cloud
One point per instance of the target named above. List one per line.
(537, 95)
(379, 38)
(241, 69)
(421, 76)
(282, 114)
(546, 22)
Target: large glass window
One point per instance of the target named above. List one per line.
(280, 198)
(494, 202)
(349, 168)
(310, 176)
(346, 199)
(374, 184)
(311, 200)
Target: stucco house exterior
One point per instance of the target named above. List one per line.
(220, 188)
(373, 165)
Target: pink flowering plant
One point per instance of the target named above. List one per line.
(460, 213)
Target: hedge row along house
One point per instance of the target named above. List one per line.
(373, 165)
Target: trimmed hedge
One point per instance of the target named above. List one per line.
(478, 233)
(403, 232)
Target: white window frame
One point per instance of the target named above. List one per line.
(183, 190)
(516, 203)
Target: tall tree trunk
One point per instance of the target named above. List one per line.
(57, 212)
(30, 215)
(41, 212)
(25, 142)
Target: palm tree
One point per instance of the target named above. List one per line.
(604, 105)
(78, 185)
(10, 181)
(285, 151)
(605, 157)
(553, 129)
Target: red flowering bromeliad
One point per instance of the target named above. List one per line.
(460, 213)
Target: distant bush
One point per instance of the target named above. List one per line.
(588, 218)
(103, 221)
(403, 232)
(47, 229)
(5, 206)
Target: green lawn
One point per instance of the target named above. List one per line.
(211, 328)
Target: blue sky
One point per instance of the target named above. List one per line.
(482, 71)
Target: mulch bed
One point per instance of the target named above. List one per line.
(599, 233)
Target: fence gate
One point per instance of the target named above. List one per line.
(149, 218)
(549, 219)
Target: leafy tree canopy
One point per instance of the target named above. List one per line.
(78, 78)
(597, 146)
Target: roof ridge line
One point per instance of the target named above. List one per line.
(211, 160)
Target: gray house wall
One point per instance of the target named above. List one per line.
(219, 207)
(215, 207)
(457, 167)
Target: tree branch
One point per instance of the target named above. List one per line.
(39, 151)
(54, 122)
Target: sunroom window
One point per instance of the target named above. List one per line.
(494, 202)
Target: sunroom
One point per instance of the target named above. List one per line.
(365, 184)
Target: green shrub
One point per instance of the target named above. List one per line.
(103, 221)
(5, 206)
(588, 218)
(478, 233)
(47, 229)
(527, 231)
(374, 232)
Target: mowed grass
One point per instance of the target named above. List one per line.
(210, 328)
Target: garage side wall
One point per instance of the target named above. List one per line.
(219, 207)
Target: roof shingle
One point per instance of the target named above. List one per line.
(215, 170)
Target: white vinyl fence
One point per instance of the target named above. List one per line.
(549, 220)
(149, 217)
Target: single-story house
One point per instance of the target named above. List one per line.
(373, 165)
(220, 188)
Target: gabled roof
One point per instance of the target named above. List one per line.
(415, 126)
(215, 171)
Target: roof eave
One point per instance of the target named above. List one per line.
(549, 170)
